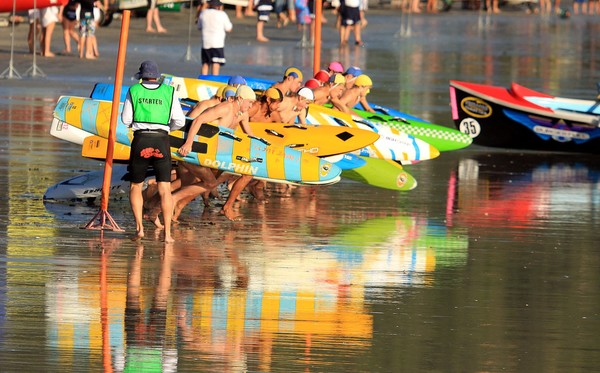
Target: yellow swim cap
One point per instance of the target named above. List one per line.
(273, 94)
(363, 81)
(293, 71)
(337, 79)
(219, 92)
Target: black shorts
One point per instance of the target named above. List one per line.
(70, 14)
(350, 16)
(213, 55)
(150, 149)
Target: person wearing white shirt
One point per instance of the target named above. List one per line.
(213, 23)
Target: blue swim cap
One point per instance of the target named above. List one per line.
(354, 71)
(236, 80)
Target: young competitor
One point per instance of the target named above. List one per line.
(335, 67)
(205, 104)
(291, 82)
(229, 114)
(351, 74)
(358, 93)
(330, 91)
(265, 109)
(293, 108)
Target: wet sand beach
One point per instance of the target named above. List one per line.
(490, 264)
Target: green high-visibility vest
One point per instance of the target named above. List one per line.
(152, 105)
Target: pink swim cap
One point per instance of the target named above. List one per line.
(336, 67)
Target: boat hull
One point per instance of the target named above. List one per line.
(494, 116)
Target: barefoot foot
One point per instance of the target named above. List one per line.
(229, 214)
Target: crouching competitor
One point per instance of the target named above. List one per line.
(152, 111)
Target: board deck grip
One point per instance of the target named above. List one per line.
(208, 130)
(197, 147)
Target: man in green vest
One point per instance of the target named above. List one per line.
(151, 110)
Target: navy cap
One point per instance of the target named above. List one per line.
(148, 70)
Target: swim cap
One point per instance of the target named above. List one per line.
(322, 76)
(245, 92)
(307, 93)
(336, 67)
(293, 71)
(354, 71)
(363, 81)
(236, 79)
(220, 90)
(312, 83)
(273, 94)
(337, 79)
(229, 91)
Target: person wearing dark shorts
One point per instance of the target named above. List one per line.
(69, 22)
(151, 110)
(214, 24)
(263, 8)
(350, 20)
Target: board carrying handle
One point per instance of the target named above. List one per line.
(230, 135)
(274, 133)
(248, 160)
(260, 139)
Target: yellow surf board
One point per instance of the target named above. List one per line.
(317, 140)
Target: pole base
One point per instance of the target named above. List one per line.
(102, 220)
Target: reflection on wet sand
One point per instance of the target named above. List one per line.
(227, 302)
(517, 191)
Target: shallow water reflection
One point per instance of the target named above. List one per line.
(491, 264)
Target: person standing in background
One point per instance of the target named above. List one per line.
(350, 18)
(152, 110)
(50, 15)
(35, 29)
(153, 15)
(87, 29)
(69, 22)
(263, 8)
(492, 6)
(213, 23)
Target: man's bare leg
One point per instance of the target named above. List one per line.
(164, 189)
(236, 189)
(137, 205)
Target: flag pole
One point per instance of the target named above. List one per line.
(103, 220)
(317, 47)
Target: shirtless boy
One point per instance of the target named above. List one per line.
(229, 114)
(354, 95)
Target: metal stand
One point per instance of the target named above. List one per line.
(405, 25)
(34, 70)
(10, 72)
(189, 56)
(103, 220)
(304, 42)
